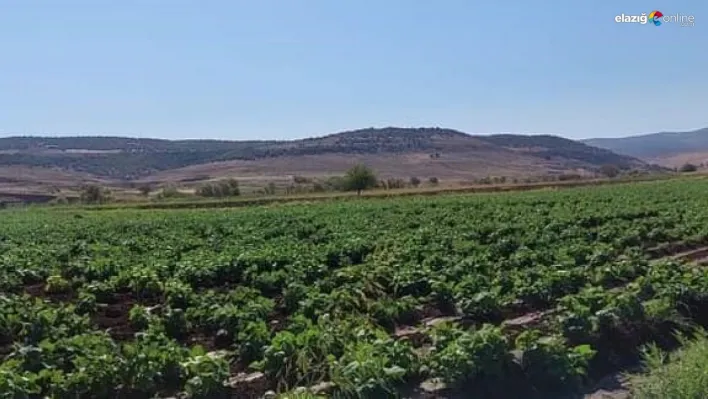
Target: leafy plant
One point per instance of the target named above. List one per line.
(57, 285)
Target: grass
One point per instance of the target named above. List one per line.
(682, 374)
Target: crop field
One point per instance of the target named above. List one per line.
(491, 295)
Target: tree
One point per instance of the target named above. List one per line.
(609, 170)
(415, 182)
(433, 181)
(688, 167)
(360, 177)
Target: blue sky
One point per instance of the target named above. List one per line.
(265, 69)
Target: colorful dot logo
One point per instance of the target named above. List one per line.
(655, 17)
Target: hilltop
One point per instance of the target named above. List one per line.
(666, 148)
(398, 152)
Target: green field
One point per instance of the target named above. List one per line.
(495, 295)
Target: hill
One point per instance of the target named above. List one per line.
(400, 152)
(668, 148)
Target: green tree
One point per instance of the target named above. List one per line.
(433, 181)
(360, 177)
(415, 182)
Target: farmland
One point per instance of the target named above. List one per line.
(496, 295)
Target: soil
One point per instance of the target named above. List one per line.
(114, 317)
(693, 255)
(39, 290)
(675, 249)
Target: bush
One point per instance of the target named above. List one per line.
(415, 182)
(169, 191)
(395, 183)
(228, 188)
(335, 183)
(94, 194)
(301, 180)
(269, 189)
(145, 190)
(433, 181)
(318, 187)
(688, 167)
(609, 171)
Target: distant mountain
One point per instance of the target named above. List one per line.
(428, 149)
(656, 146)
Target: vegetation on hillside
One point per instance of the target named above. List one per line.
(128, 158)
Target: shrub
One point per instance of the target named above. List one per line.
(335, 183)
(269, 189)
(433, 181)
(169, 191)
(301, 180)
(227, 188)
(395, 183)
(688, 167)
(414, 181)
(94, 194)
(318, 187)
(145, 190)
(609, 171)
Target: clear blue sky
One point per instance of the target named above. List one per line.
(263, 69)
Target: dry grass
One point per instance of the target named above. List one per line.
(455, 167)
(676, 160)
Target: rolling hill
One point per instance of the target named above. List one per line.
(666, 148)
(396, 152)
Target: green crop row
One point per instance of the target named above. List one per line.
(372, 296)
